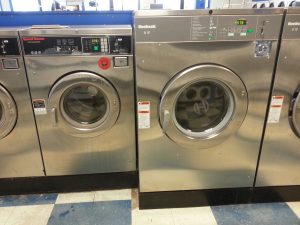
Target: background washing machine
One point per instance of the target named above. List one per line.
(202, 90)
(280, 157)
(82, 85)
(20, 154)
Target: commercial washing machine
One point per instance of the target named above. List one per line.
(280, 157)
(203, 81)
(20, 154)
(82, 85)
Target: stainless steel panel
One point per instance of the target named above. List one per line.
(154, 13)
(112, 151)
(207, 28)
(291, 27)
(20, 154)
(79, 30)
(280, 156)
(165, 165)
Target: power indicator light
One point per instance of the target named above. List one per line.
(250, 31)
(96, 48)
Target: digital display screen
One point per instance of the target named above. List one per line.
(241, 22)
(96, 44)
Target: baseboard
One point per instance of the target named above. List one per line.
(52, 184)
(176, 199)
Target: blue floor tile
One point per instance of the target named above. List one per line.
(18, 200)
(255, 214)
(92, 213)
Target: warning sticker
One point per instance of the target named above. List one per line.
(275, 109)
(39, 106)
(144, 114)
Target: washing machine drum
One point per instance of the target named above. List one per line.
(84, 104)
(203, 105)
(8, 112)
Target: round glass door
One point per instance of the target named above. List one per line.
(84, 104)
(294, 113)
(8, 113)
(203, 105)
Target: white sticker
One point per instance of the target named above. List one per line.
(39, 106)
(144, 114)
(275, 109)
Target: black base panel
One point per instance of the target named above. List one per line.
(53, 184)
(276, 194)
(176, 199)
(212, 197)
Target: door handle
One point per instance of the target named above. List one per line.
(166, 120)
(53, 117)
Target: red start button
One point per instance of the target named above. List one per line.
(104, 63)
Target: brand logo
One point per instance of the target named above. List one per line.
(293, 23)
(34, 39)
(147, 26)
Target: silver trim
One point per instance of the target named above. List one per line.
(72, 127)
(265, 11)
(295, 125)
(214, 131)
(233, 119)
(9, 113)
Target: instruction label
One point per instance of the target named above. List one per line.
(39, 106)
(275, 109)
(144, 114)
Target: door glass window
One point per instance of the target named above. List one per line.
(202, 106)
(86, 104)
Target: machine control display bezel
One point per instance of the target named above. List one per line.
(93, 45)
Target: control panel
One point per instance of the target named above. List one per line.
(95, 45)
(208, 28)
(291, 28)
(9, 47)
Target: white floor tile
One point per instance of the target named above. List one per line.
(75, 197)
(28, 215)
(152, 217)
(178, 216)
(193, 216)
(5, 213)
(295, 206)
(113, 195)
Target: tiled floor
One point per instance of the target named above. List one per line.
(120, 207)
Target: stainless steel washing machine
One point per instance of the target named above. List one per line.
(20, 154)
(280, 156)
(203, 80)
(82, 85)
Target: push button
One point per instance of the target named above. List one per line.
(120, 61)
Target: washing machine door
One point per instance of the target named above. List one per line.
(294, 112)
(203, 105)
(8, 112)
(84, 104)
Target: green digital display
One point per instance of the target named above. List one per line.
(241, 22)
(95, 44)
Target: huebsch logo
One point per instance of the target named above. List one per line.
(147, 26)
(293, 23)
